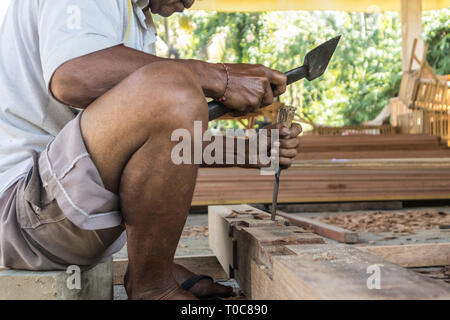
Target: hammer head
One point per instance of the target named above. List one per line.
(318, 59)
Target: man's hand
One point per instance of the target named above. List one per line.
(252, 87)
(288, 143)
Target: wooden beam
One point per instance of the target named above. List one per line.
(336, 5)
(270, 260)
(338, 207)
(223, 221)
(411, 17)
(207, 265)
(323, 229)
(414, 255)
(329, 181)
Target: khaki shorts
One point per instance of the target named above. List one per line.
(60, 214)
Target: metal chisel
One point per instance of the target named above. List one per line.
(316, 62)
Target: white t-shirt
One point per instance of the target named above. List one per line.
(36, 37)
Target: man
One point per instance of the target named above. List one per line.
(72, 182)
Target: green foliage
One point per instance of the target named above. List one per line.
(363, 76)
(437, 35)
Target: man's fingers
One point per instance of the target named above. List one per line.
(289, 143)
(278, 81)
(288, 153)
(295, 130)
(292, 132)
(285, 132)
(268, 96)
(188, 3)
(286, 162)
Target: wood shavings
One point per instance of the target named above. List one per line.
(324, 256)
(288, 239)
(195, 231)
(397, 222)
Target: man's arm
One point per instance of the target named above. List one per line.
(80, 81)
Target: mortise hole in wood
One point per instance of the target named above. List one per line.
(242, 224)
(279, 251)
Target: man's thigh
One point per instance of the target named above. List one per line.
(63, 208)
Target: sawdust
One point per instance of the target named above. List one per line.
(396, 222)
(195, 232)
(288, 239)
(324, 256)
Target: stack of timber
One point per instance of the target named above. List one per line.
(340, 168)
(372, 147)
(272, 260)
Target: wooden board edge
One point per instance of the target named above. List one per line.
(413, 255)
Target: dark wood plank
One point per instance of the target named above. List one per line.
(320, 228)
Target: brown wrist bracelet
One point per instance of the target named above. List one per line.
(227, 71)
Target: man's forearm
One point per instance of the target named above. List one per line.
(234, 153)
(82, 80)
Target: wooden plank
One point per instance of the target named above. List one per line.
(338, 207)
(279, 262)
(370, 154)
(320, 228)
(341, 272)
(207, 265)
(326, 181)
(414, 255)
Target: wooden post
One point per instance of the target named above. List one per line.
(411, 17)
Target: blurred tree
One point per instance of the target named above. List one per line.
(437, 35)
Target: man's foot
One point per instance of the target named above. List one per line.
(175, 293)
(205, 288)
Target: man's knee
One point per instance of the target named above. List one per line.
(181, 100)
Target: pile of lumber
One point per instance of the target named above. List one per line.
(372, 147)
(336, 169)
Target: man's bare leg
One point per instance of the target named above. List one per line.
(127, 132)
